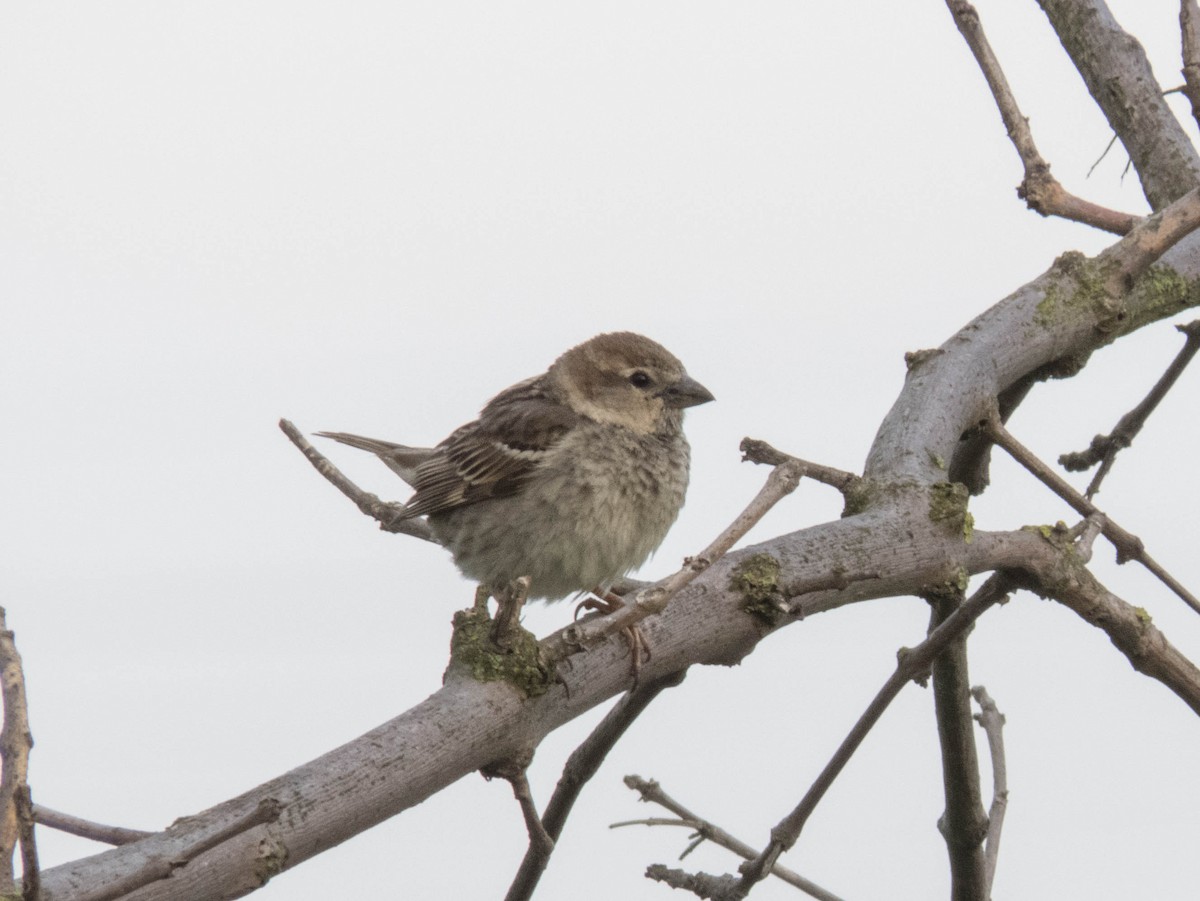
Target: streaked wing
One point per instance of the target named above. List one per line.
(496, 454)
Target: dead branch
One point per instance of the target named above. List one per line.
(390, 516)
(1129, 546)
(1039, 189)
(1119, 77)
(992, 721)
(1104, 448)
(963, 825)
(73, 825)
(912, 663)
(581, 766)
(705, 830)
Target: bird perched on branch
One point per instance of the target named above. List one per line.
(571, 478)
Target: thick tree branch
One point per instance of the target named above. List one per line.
(1189, 26)
(1118, 76)
(1054, 568)
(1127, 260)
(963, 824)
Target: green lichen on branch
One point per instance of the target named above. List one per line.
(1076, 284)
(1159, 293)
(857, 497)
(948, 504)
(951, 591)
(271, 860)
(472, 651)
(756, 579)
(1046, 532)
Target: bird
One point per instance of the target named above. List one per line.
(567, 480)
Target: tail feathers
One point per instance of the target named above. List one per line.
(399, 458)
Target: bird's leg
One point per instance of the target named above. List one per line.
(509, 601)
(607, 602)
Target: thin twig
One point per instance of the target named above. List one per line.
(992, 721)
(912, 663)
(652, 793)
(1111, 141)
(538, 836)
(16, 741)
(162, 866)
(587, 632)
(73, 825)
(581, 766)
(1104, 448)
(1039, 189)
(390, 516)
(756, 451)
(1129, 546)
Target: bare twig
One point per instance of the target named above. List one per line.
(963, 824)
(702, 885)
(390, 516)
(73, 825)
(1129, 547)
(705, 830)
(912, 663)
(756, 451)
(780, 483)
(161, 866)
(16, 741)
(581, 766)
(538, 836)
(1104, 448)
(1085, 534)
(1039, 189)
(1189, 25)
(992, 721)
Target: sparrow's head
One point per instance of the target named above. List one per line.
(628, 380)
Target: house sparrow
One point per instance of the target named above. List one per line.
(571, 478)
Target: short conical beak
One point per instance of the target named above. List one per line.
(687, 392)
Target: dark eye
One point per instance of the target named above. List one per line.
(640, 379)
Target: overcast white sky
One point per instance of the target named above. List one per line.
(371, 217)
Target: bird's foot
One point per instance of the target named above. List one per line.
(509, 601)
(608, 603)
